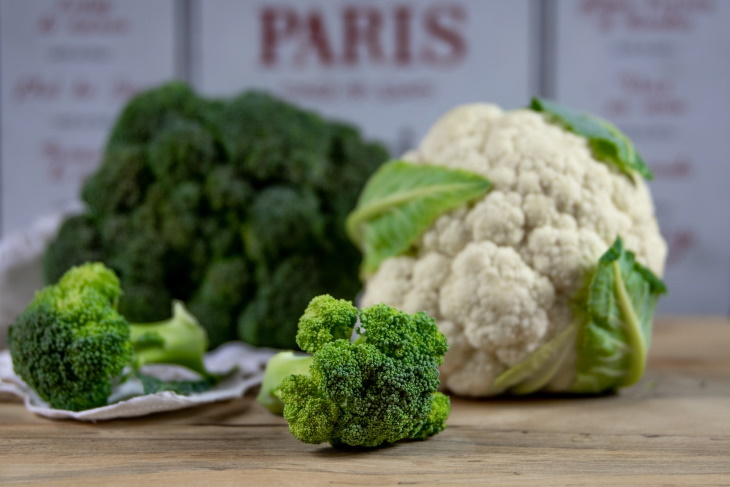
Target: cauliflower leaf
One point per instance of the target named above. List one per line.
(608, 144)
(618, 309)
(400, 201)
(611, 331)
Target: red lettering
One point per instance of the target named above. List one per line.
(46, 24)
(400, 35)
(403, 35)
(681, 242)
(278, 24)
(446, 35)
(94, 7)
(64, 161)
(362, 25)
(316, 40)
(36, 88)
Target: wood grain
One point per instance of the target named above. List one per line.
(673, 428)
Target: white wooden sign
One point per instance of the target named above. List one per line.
(660, 70)
(390, 67)
(66, 68)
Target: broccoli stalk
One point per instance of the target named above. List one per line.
(179, 340)
(71, 345)
(377, 389)
(280, 366)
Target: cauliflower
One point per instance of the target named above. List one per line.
(503, 274)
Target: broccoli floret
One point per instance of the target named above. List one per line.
(119, 184)
(188, 184)
(183, 150)
(271, 314)
(77, 242)
(215, 303)
(274, 141)
(324, 320)
(377, 389)
(227, 192)
(299, 223)
(151, 111)
(71, 345)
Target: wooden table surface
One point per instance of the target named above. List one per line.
(673, 428)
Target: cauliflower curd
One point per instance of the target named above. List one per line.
(499, 274)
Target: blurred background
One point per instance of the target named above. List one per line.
(659, 69)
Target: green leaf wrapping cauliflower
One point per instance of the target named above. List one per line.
(529, 281)
(379, 389)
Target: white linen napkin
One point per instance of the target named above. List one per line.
(249, 362)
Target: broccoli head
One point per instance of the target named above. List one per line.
(378, 389)
(189, 185)
(71, 345)
(282, 291)
(78, 241)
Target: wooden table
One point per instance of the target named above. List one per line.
(672, 428)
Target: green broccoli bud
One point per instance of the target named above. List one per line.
(298, 219)
(271, 315)
(77, 242)
(325, 319)
(184, 149)
(71, 345)
(120, 183)
(378, 389)
(226, 282)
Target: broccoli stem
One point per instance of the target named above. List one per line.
(281, 365)
(179, 340)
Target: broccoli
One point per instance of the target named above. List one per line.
(189, 185)
(215, 299)
(71, 345)
(77, 242)
(378, 389)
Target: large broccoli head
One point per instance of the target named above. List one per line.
(379, 389)
(190, 185)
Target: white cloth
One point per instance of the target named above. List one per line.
(249, 361)
(21, 265)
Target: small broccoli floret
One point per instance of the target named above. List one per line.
(227, 192)
(120, 183)
(325, 319)
(137, 255)
(298, 220)
(70, 344)
(151, 111)
(216, 303)
(436, 420)
(184, 149)
(379, 389)
(77, 242)
(272, 140)
(55, 342)
(271, 315)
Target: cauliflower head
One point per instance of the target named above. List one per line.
(500, 273)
